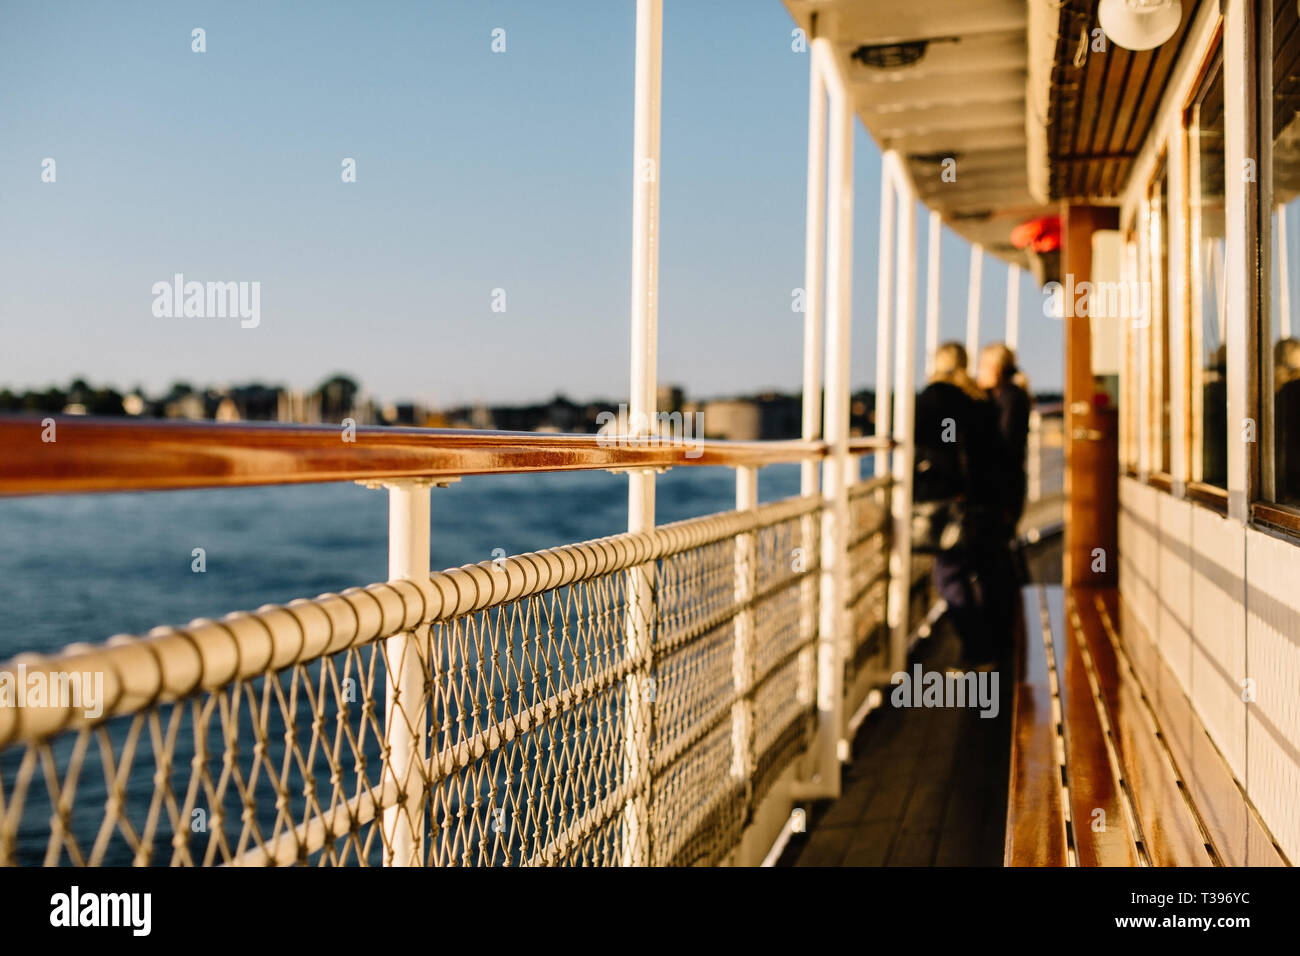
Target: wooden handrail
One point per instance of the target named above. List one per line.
(865, 444)
(90, 454)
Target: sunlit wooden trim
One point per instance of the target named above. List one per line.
(1208, 495)
(1276, 517)
(1159, 479)
(91, 454)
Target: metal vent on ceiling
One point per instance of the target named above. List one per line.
(889, 56)
(934, 159)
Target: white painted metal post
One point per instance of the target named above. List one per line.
(835, 517)
(814, 264)
(885, 303)
(1013, 305)
(932, 266)
(405, 702)
(900, 557)
(813, 320)
(641, 484)
(973, 305)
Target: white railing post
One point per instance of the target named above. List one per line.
(885, 305)
(833, 616)
(898, 606)
(641, 484)
(932, 265)
(814, 266)
(813, 320)
(405, 701)
(742, 659)
(1013, 306)
(973, 306)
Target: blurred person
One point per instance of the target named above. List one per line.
(1004, 563)
(958, 447)
(999, 377)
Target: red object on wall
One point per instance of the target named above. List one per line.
(1042, 234)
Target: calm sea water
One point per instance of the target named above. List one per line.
(85, 567)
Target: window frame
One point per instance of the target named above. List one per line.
(1265, 509)
(1196, 488)
(1160, 259)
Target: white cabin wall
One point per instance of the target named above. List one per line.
(1216, 658)
(1218, 598)
(1272, 662)
(1174, 608)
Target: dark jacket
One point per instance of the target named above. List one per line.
(959, 451)
(1012, 402)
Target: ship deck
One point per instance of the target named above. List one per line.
(926, 786)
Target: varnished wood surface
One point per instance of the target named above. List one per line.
(1236, 833)
(1091, 434)
(1170, 834)
(1035, 813)
(1181, 789)
(130, 455)
(1105, 840)
(1169, 828)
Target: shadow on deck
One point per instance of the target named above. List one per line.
(926, 786)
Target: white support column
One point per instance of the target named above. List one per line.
(641, 484)
(885, 303)
(833, 617)
(405, 706)
(813, 321)
(1013, 306)
(932, 267)
(973, 305)
(814, 265)
(900, 557)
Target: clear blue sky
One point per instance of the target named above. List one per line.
(475, 171)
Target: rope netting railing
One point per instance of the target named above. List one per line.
(524, 711)
(868, 567)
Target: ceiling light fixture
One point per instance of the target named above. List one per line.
(1140, 24)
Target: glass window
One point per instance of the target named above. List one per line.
(1281, 375)
(1160, 385)
(1209, 311)
(1130, 402)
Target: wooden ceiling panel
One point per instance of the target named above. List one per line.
(1102, 103)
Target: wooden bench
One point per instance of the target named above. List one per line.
(1109, 764)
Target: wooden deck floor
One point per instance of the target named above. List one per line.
(927, 786)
